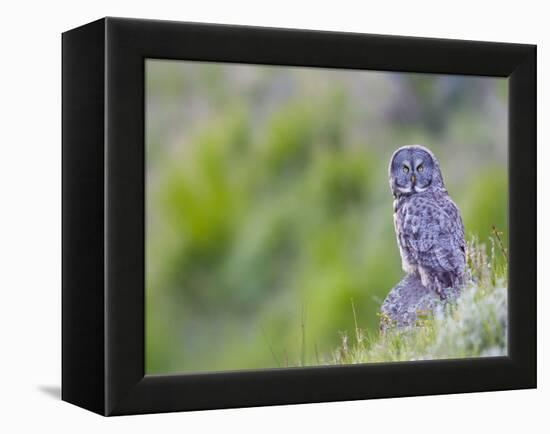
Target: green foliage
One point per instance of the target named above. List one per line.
(473, 326)
(268, 207)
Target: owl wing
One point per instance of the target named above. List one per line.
(433, 233)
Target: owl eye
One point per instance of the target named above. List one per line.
(405, 169)
(420, 168)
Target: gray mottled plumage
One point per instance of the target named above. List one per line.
(428, 226)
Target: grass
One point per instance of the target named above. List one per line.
(475, 325)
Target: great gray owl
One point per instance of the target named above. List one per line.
(427, 223)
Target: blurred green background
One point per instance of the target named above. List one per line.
(268, 207)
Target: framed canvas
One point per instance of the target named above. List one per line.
(230, 237)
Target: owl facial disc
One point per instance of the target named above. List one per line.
(414, 169)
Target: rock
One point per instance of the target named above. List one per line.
(408, 301)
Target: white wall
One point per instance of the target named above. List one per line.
(30, 181)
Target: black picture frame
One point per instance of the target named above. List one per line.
(103, 216)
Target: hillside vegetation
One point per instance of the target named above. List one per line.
(475, 325)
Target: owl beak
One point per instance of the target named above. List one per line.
(413, 179)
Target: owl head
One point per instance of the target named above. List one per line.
(414, 169)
